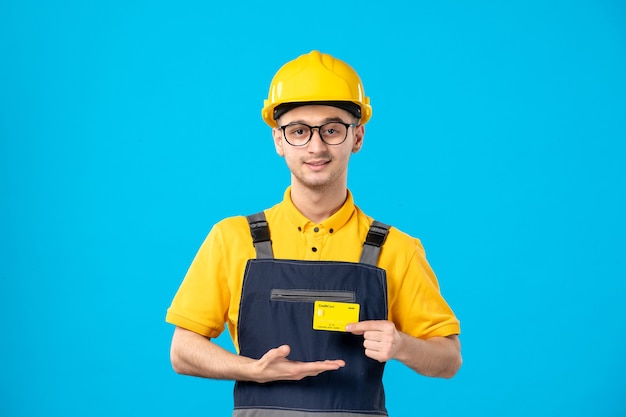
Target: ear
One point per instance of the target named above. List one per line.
(359, 134)
(277, 134)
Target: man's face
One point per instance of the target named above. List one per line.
(318, 165)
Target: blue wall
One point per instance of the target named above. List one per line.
(127, 128)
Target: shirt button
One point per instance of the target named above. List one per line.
(317, 229)
(331, 230)
(314, 249)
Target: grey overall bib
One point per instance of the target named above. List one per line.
(277, 307)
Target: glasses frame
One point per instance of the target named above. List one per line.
(319, 131)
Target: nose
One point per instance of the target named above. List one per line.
(316, 141)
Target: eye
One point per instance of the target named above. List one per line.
(333, 129)
(297, 130)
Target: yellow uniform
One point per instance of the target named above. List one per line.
(210, 293)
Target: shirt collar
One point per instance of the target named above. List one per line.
(332, 224)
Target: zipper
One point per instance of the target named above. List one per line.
(310, 296)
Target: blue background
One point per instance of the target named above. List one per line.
(127, 128)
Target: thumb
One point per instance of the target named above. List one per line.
(278, 353)
(283, 350)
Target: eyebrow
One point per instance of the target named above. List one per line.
(327, 120)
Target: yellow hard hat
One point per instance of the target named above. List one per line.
(316, 78)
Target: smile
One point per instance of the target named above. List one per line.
(318, 162)
(317, 165)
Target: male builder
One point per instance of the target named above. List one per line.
(317, 296)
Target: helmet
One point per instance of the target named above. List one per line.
(319, 78)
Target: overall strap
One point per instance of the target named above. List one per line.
(373, 242)
(260, 231)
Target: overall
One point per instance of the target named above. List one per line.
(277, 307)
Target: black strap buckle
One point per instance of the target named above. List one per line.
(377, 234)
(260, 231)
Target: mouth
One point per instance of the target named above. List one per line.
(317, 164)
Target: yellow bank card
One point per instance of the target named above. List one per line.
(334, 316)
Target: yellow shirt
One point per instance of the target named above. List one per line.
(209, 295)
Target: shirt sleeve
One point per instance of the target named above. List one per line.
(201, 302)
(417, 306)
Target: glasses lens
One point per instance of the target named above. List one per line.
(333, 133)
(297, 134)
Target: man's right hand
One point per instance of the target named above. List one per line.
(194, 354)
(274, 366)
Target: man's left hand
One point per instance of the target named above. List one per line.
(381, 338)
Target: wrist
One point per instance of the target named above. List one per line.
(406, 347)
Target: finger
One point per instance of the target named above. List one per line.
(324, 365)
(373, 354)
(284, 350)
(379, 336)
(336, 363)
(380, 350)
(316, 368)
(377, 350)
(354, 328)
(277, 353)
(362, 326)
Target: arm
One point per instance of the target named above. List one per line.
(196, 355)
(436, 356)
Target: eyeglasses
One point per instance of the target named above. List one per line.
(332, 133)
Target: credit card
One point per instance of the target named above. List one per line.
(334, 316)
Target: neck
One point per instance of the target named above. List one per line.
(318, 204)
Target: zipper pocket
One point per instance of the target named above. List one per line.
(310, 296)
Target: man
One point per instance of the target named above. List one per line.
(316, 295)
